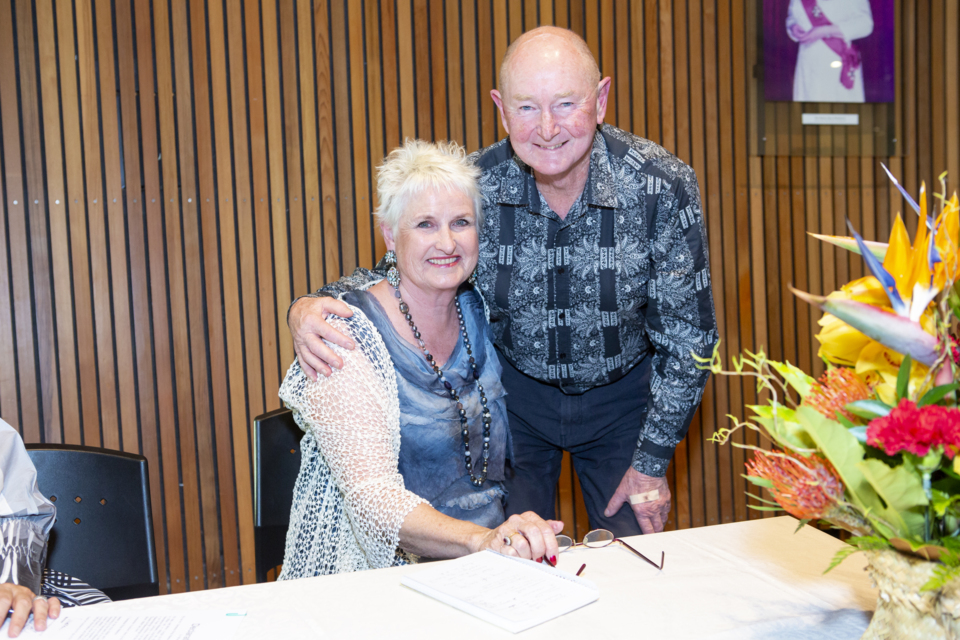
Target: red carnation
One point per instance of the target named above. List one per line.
(916, 430)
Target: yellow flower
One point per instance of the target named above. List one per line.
(879, 367)
(839, 342)
(946, 241)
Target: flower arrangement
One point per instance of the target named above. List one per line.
(871, 447)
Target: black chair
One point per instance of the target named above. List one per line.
(276, 463)
(104, 529)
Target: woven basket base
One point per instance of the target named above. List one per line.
(903, 611)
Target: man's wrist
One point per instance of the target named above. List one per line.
(650, 465)
(316, 294)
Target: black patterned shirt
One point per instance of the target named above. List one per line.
(578, 302)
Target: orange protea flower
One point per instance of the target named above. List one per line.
(836, 389)
(807, 488)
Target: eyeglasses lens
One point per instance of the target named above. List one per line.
(564, 542)
(598, 538)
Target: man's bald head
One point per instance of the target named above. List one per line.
(544, 44)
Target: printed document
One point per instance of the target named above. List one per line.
(110, 623)
(509, 592)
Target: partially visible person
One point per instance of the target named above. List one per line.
(26, 518)
(405, 445)
(829, 68)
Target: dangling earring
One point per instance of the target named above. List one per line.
(473, 277)
(393, 276)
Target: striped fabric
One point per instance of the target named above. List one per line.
(69, 590)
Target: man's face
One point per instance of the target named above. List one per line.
(551, 110)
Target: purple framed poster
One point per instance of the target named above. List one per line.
(828, 50)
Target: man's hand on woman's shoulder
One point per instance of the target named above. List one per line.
(309, 327)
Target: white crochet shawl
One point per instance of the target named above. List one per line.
(349, 501)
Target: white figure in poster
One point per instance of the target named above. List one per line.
(828, 63)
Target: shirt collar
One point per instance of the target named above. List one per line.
(519, 187)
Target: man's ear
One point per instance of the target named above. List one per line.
(498, 100)
(603, 92)
(388, 238)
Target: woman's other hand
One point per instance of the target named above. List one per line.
(308, 325)
(797, 32)
(530, 537)
(22, 601)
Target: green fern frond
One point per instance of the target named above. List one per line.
(941, 576)
(840, 556)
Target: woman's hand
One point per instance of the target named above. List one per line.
(530, 537)
(819, 33)
(22, 601)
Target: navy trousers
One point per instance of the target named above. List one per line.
(599, 428)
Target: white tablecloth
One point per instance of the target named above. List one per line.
(745, 580)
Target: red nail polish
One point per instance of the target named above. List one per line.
(539, 559)
(553, 560)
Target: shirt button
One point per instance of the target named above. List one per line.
(562, 356)
(561, 270)
(562, 315)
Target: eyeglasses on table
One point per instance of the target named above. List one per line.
(599, 538)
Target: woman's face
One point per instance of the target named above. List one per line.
(436, 241)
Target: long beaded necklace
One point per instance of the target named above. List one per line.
(464, 430)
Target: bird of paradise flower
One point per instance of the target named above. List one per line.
(872, 322)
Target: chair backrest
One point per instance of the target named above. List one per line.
(104, 530)
(276, 463)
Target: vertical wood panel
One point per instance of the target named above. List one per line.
(173, 173)
(230, 425)
(66, 354)
(27, 411)
(115, 233)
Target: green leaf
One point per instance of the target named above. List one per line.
(763, 500)
(842, 554)
(903, 378)
(900, 488)
(794, 376)
(756, 508)
(868, 409)
(842, 419)
(760, 482)
(941, 501)
(937, 393)
(941, 576)
(860, 433)
(869, 543)
(845, 453)
(782, 425)
(954, 301)
(802, 524)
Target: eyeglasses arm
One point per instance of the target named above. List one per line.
(662, 555)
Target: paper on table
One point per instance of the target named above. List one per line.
(512, 593)
(121, 624)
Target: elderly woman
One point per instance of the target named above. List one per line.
(405, 444)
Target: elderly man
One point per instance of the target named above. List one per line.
(593, 264)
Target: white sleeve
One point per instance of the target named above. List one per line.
(796, 16)
(855, 19)
(354, 416)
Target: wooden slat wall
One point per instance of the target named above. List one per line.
(173, 172)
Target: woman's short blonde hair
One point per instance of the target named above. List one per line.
(419, 165)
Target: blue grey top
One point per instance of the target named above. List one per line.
(431, 448)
